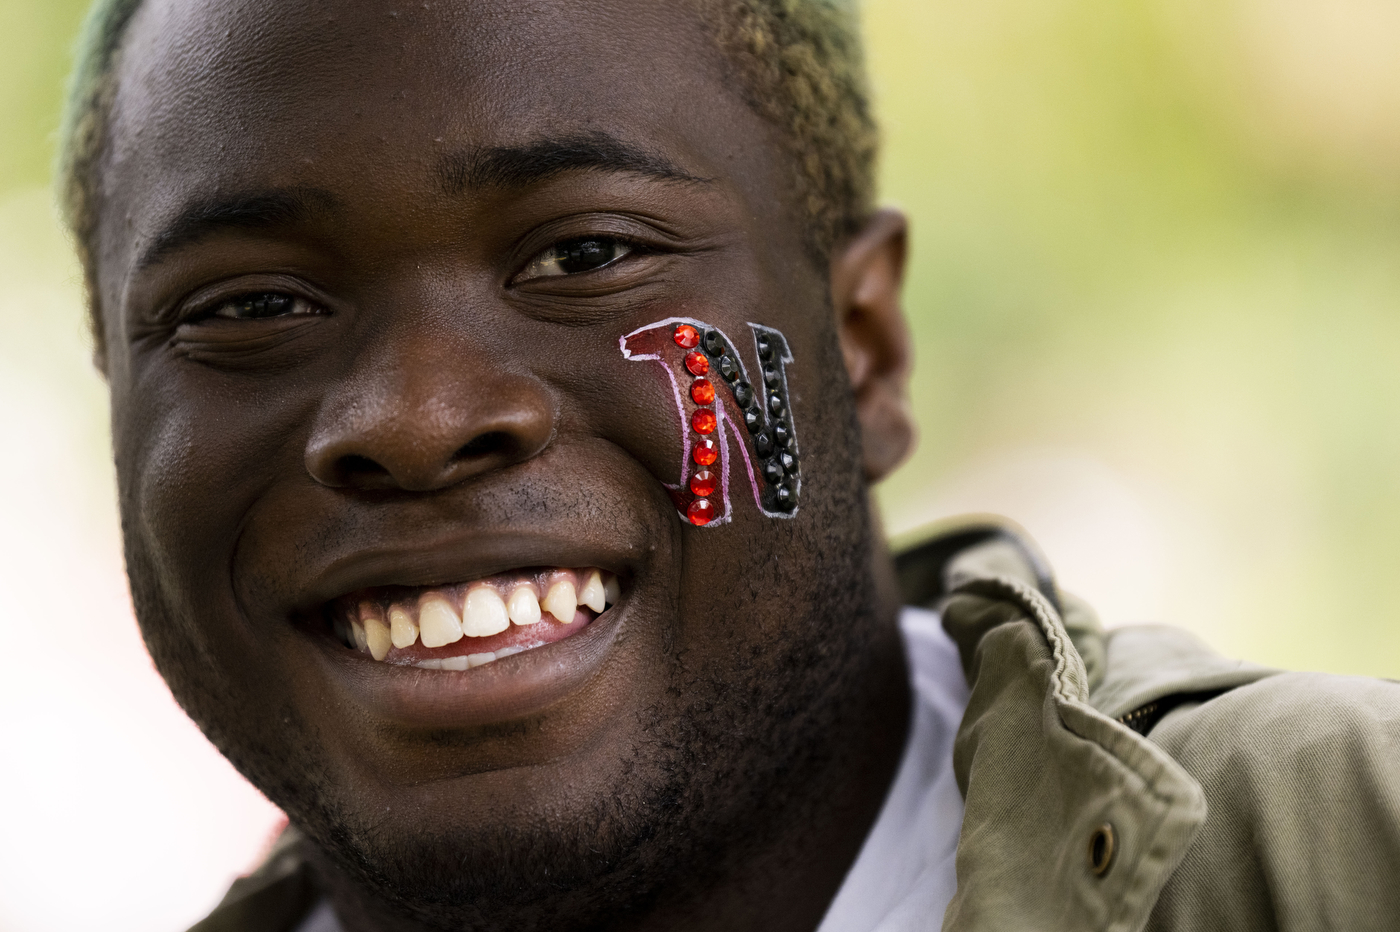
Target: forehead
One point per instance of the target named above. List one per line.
(518, 63)
(233, 94)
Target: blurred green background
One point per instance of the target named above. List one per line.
(1154, 289)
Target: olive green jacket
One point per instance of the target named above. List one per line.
(1114, 781)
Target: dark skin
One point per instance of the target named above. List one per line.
(335, 363)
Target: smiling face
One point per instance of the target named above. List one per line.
(364, 275)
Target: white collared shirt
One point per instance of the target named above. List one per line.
(904, 876)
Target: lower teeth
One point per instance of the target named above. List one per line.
(466, 661)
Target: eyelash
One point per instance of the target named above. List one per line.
(209, 309)
(631, 247)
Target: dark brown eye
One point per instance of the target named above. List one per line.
(572, 257)
(259, 305)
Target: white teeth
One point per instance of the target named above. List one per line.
(524, 606)
(377, 636)
(402, 628)
(467, 661)
(484, 614)
(438, 624)
(562, 601)
(592, 592)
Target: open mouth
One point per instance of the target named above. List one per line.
(466, 625)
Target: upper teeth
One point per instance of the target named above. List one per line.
(562, 601)
(484, 613)
(592, 592)
(524, 606)
(403, 630)
(439, 619)
(438, 622)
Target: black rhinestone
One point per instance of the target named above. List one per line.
(743, 394)
(773, 472)
(752, 421)
(784, 497)
(781, 435)
(775, 403)
(714, 343)
(763, 443)
(765, 349)
(789, 463)
(728, 368)
(770, 376)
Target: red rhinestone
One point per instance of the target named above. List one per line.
(702, 392)
(700, 512)
(697, 363)
(687, 336)
(703, 421)
(702, 483)
(705, 452)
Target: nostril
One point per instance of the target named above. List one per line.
(491, 443)
(352, 468)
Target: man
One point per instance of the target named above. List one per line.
(496, 389)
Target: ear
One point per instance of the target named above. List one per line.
(867, 272)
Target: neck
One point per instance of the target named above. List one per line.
(788, 885)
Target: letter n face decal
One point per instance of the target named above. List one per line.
(723, 411)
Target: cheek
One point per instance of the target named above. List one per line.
(191, 460)
(733, 432)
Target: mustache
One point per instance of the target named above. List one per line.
(308, 549)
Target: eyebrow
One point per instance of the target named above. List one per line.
(533, 162)
(244, 212)
(481, 168)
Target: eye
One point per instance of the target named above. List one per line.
(262, 304)
(574, 256)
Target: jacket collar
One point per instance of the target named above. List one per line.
(1073, 820)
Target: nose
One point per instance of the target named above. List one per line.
(426, 416)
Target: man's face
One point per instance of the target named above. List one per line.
(351, 364)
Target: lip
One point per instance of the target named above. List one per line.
(514, 687)
(452, 560)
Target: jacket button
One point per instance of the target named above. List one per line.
(1101, 844)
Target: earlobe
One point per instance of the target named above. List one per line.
(867, 273)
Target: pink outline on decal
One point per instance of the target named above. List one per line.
(655, 343)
